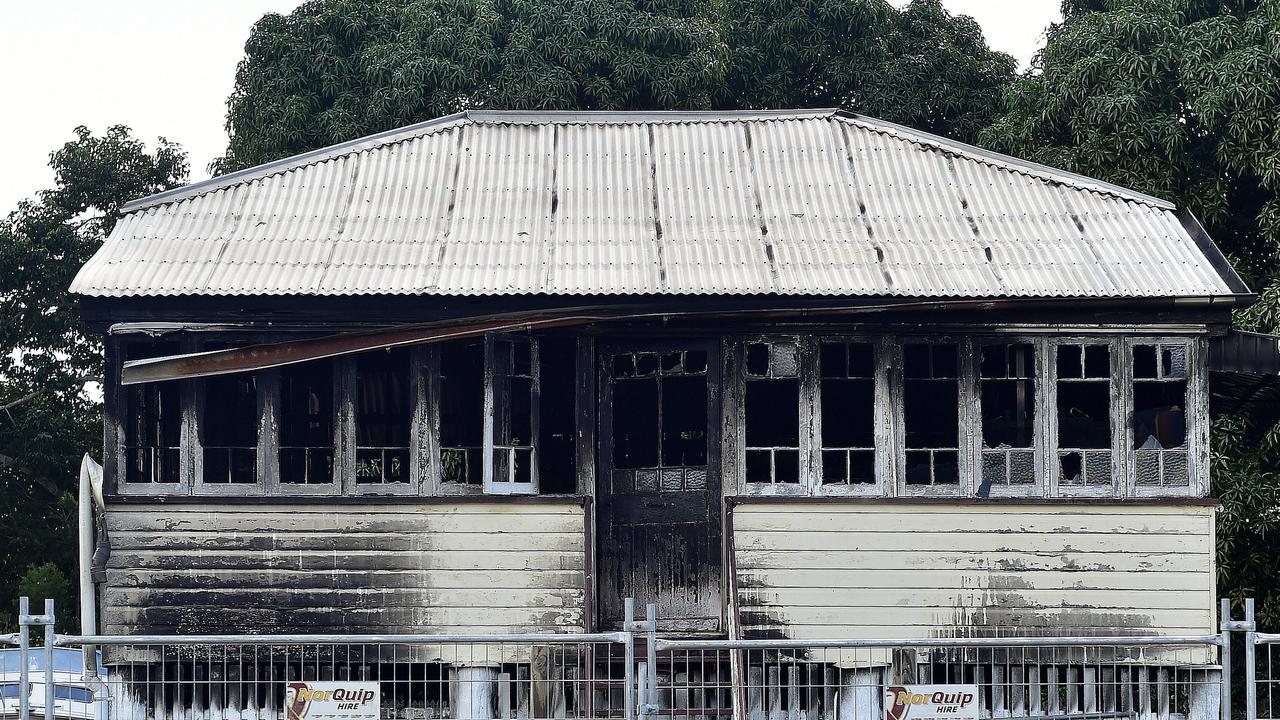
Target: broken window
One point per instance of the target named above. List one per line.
(461, 409)
(1008, 398)
(931, 388)
(383, 405)
(511, 418)
(1084, 415)
(228, 428)
(772, 412)
(1159, 415)
(306, 423)
(152, 422)
(659, 420)
(846, 373)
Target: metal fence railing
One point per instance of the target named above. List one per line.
(1132, 677)
(633, 675)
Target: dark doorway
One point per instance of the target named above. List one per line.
(659, 484)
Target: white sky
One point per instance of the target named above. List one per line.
(165, 67)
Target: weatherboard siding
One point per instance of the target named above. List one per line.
(460, 567)
(883, 570)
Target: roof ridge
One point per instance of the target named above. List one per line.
(610, 117)
(479, 117)
(358, 145)
(1000, 160)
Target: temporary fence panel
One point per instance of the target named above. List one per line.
(600, 675)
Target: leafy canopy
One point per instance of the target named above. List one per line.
(49, 419)
(1181, 98)
(335, 70)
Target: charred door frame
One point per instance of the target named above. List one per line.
(604, 351)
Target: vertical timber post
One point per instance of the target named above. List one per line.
(24, 662)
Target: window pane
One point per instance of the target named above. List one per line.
(773, 413)
(932, 398)
(306, 423)
(1008, 395)
(461, 409)
(384, 413)
(684, 421)
(931, 391)
(635, 423)
(1159, 415)
(152, 421)
(229, 428)
(556, 446)
(659, 416)
(1084, 415)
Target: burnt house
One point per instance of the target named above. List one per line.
(799, 374)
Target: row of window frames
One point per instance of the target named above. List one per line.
(931, 373)
(228, 429)
(383, 417)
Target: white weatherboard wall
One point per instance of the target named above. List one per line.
(311, 566)
(884, 570)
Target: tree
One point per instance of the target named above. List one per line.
(334, 70)
(47, 581)
(1178, 98)
(49, 367)
(920, 66)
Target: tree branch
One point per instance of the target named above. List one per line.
(37, 393)
(42, 481)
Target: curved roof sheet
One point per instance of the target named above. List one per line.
(788, 203)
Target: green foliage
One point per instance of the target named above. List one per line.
(340, 69)
(920, 66)
(47, 581)
(1179, 98)
(48, 365)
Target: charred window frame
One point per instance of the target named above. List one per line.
(511, 415)
(382, 401)
(152, 424)
(1087, 414)
(482, 422)
(1166, 441)
(1010, 399)
(231, 429)
(776, 415)
(457, 385)
(934, 383)
(852, 415)
(307, 397)
(668, 440)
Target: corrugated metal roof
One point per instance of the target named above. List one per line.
(791, 203)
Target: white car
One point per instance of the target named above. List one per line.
(73, 697)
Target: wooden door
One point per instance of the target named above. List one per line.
(659, 484)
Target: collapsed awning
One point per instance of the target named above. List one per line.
(269, 355)
(1244, 377)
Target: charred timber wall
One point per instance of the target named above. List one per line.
(463, 567)
(885, 570)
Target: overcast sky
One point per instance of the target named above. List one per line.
(165, 67)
